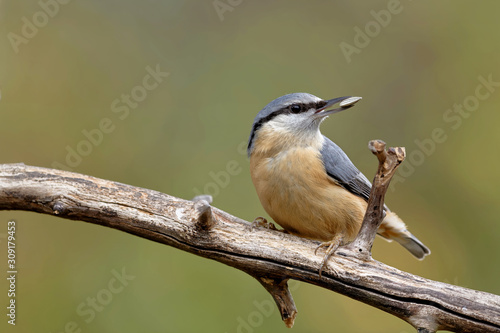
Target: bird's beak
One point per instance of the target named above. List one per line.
(344, 103)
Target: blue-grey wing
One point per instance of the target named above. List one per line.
(339, 167)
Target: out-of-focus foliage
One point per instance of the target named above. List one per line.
(420, 67)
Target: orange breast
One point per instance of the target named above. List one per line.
(296, 192)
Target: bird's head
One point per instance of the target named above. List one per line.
(297, 115)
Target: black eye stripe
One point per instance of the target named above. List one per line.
(262, 121)
(320, 104)
(300, 107)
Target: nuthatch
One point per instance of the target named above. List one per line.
(306, 183)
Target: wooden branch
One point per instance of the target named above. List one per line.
(271, 256)
(278, 288)
(388, 161)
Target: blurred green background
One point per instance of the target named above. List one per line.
(415, 63)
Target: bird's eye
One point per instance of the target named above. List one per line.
(295, 108)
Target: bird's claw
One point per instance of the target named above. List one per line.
(262, 222)
(331, 246)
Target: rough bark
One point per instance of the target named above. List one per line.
(270, 256)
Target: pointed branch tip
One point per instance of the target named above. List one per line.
(278, 288)
(206, 219)
(377, 147)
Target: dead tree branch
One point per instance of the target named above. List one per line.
(270, 256)
(388, 161)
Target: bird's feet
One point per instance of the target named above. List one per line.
(262, 222)
(331, 246)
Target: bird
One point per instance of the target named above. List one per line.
(306, 183)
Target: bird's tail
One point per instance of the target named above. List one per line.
(393, 228)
